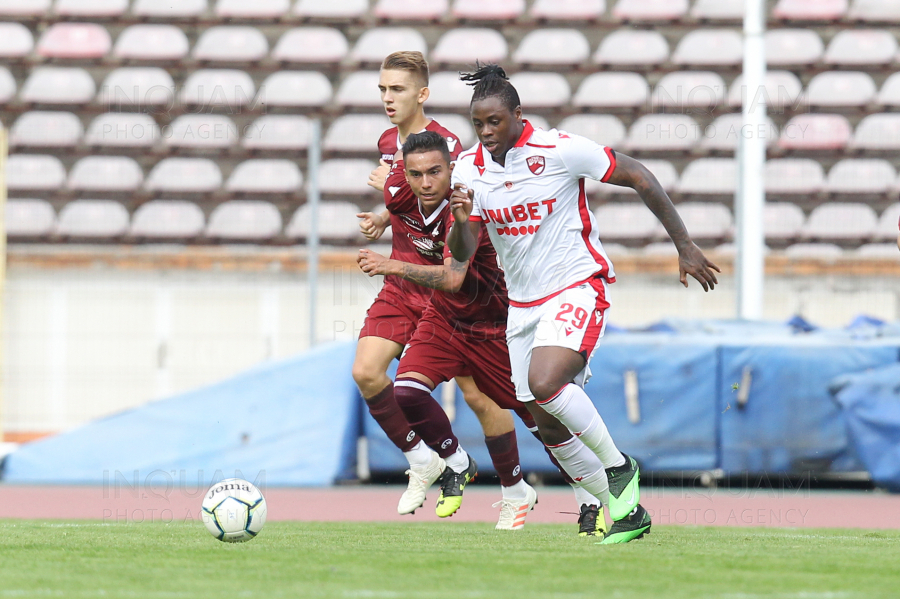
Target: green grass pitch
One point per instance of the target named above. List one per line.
(447, 560)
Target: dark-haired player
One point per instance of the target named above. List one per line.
(526, 187)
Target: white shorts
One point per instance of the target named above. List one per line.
(576, 319)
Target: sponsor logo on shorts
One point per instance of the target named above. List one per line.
(598, 316)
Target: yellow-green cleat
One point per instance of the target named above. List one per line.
(634, 526)
(624, 488)
(452, 486)
(591, 521)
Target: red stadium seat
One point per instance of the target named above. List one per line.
(337, 222)
(24, 8)
(816, 132)
(878, 132)
(723, 133)
(151, 42)
(346, 176)
(810, 10)
(167, 219)
(887, 223)
(92, 218)
(244, 220)
(258, 9)
(782, 90)
(184, 175)
(29, 218)
(553, 47)
(709, 176)
(58, 85)
(375, 44)
(878, 11)
(861, 176)
(284, 132)
(137, 86)
(890, 91)
(466, 45)
(34, 171)
(663, 132)
(841, 222)
(105, 173)
(91, 8)
(793, 176)
(702, 89)
(861, 47)
(260, 176)
(411, 10)
(342, 10)
(541, 90)
(782, 221)
(604, 129)
(626, 47)
(7, 85)
(720, 47)
(295, 88)
(841, 88)
(610, 90)
(627, 222)
(650, 10)
(814, 251)
(568, 10)
(218, 87)
(15, 40)
(793, 47)
(166, 9)
(355, 133)
(706, 221)
(41, 128)
(361, 89)
(718, 10)
(212, 131)
(74, 40)
(123, 130)
(231, 43)
(447, 91)
(311, 45)
(488, 10)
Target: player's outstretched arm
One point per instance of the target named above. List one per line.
(463, 236)
(447, 277)
(691, 261)
(373, 225)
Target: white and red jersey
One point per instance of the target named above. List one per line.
(536, 211)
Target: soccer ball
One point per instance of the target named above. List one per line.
(233, 510)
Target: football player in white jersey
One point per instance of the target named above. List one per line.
(526, 186)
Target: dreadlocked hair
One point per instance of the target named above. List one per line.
(491, 80)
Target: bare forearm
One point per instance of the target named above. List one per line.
(462, 241)
(433, 277)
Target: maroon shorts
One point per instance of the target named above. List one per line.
(390, 318)
(441, 352)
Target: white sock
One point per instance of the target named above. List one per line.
(420, 455)
(574, 409)
(582, 497)
(459, 460)
(583, 466)
(518, 491)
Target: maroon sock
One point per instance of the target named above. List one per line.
(504, 452)
(426, 416)
(565, 474)
(384, 409)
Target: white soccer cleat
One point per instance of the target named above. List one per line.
(420, 478)
(514, 511)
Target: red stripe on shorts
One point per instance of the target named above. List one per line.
(595, 326)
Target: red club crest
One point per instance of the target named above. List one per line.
(536, 164)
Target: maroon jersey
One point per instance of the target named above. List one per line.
(389, 142)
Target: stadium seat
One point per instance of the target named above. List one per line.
(91, 8)
(167, 219)
(151, 42)
(58, 85)
(137, 86)
(295, 89)
(286, 132)
(660, 249)
(814, 251)
(791, 176)
(553, 47)
(650, 10)
(343, 10)
(719, 47)
(7, 85)
(841, 88)
(337, 222)
(700, 89)
(663, 132)
(793, 47)
(123, 130)
(188, 175)
(258, 9)
(361, 89)
(861, 176)
(627, 222)
(92, 218)
(447, 91)
(311, 45)
(458, 125)
(265, 176)
(355, 133)
(723, 133)
(24, 8)
(568, 10)
(375, 44)
(466, 45)
(709, 176)
(612, 90)
(29, 218)
(244, 220)
(841, 222)
(166, 9)
(231, 43)
(718, 10)
(816, 132)
(810, 10)
(877, 132)
(861, 47)
(541, 90)
(879, 11)
(888, 223)
(782, 90)
(782, 221)
(47, 129)
(604, 129)
(411, 10)
(347, 176)
(218, 87)
(890, 91)
(74, 40)
(201, 131)
(663, 170)
(537, 121)
(105, 173)
(15, 40)
(626, 47)
(34, 172)
(488, 10)
(877, 250)
(706, 221)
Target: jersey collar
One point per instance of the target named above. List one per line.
(526, 134)
(434, 215)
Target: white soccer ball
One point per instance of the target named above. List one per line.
(233, 510)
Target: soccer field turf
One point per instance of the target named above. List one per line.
(447, 560)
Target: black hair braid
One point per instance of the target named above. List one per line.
(491, 80)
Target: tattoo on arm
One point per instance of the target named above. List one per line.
(446, 277)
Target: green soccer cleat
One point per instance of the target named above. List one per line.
(624, 490)
(591, 521)
(452, 486)
(636, 525)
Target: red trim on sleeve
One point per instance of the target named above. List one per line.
(526, 135)
(611, 154)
